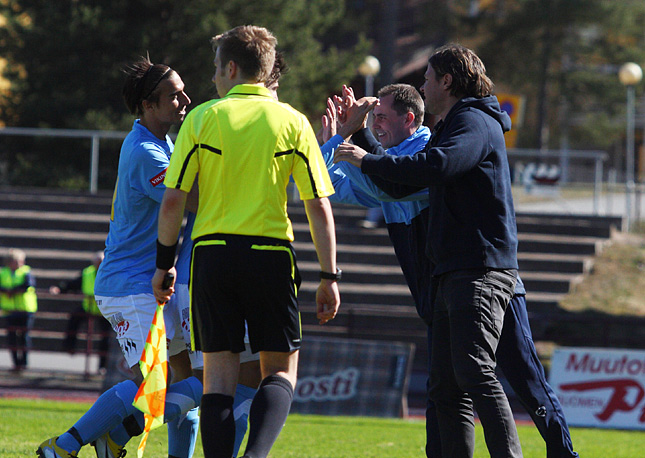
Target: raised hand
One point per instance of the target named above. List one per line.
(329, 121)
(353, 113)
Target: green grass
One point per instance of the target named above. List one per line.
(25, 423)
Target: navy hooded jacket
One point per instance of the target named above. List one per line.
(471, 222)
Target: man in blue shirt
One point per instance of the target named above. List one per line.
(397, 125)
(155, 94)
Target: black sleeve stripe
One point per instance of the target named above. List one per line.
(189, 155)
(184, 166)
(212, 149)
(283, 153)
(311, 177)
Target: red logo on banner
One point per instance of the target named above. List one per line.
(618, 401)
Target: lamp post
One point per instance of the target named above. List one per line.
(630, 74)
(368, 69)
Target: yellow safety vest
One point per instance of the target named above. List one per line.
(21, 302)
(87, 286)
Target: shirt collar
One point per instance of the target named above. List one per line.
(249, 89)
(414, 142)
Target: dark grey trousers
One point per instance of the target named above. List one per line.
(467, 323)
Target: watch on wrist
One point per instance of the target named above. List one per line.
(331, 276)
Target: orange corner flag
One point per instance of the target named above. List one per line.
(151, 397)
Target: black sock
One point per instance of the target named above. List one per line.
(217, 425)
(268, 413)
(132, 427)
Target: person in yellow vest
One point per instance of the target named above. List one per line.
(18, 301)
(84, 284)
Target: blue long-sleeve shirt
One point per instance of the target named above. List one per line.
(465, 168)
(406, 221)
(353, 187)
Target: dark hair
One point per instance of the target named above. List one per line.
(468, 72)
(141, 83)
(251, 47)
(280, 68)
(405, 98)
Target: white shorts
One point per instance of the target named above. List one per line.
(180, 307)
(131, 317)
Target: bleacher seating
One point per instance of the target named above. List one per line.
(60, 231)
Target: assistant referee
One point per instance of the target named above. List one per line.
(242, 149)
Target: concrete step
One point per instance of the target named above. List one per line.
(559, 244)
(346, 216)
(52, 340)
(60, 240)
(351, 235)
(549, 282)
(357, 273)
(374, 294)
(363, 254)
(600, 329)
(47, 259)
(550, 262)
(562, 225)
(580, 219)
(54, 200)
(54, 220)
(58, 303)
(52, 277)
(543, 302)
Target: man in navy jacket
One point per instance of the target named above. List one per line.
(397, 126)
(472, 242)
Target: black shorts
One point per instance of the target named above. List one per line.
(237, 279)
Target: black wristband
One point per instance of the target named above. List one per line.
(165, 256)
(329, 276)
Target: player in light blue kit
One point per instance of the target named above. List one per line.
(155, 93)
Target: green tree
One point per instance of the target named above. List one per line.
(64, 58)
(316, 69)
(72, 51)
(563, 55)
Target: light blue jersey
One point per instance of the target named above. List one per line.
(130, 248)
(353, 187)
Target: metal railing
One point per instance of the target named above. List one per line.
(94, 135)
(563, 156)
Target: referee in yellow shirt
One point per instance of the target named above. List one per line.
(242, 149)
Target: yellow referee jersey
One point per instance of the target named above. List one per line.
(243, 148)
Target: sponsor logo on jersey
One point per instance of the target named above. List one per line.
(158, 179)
